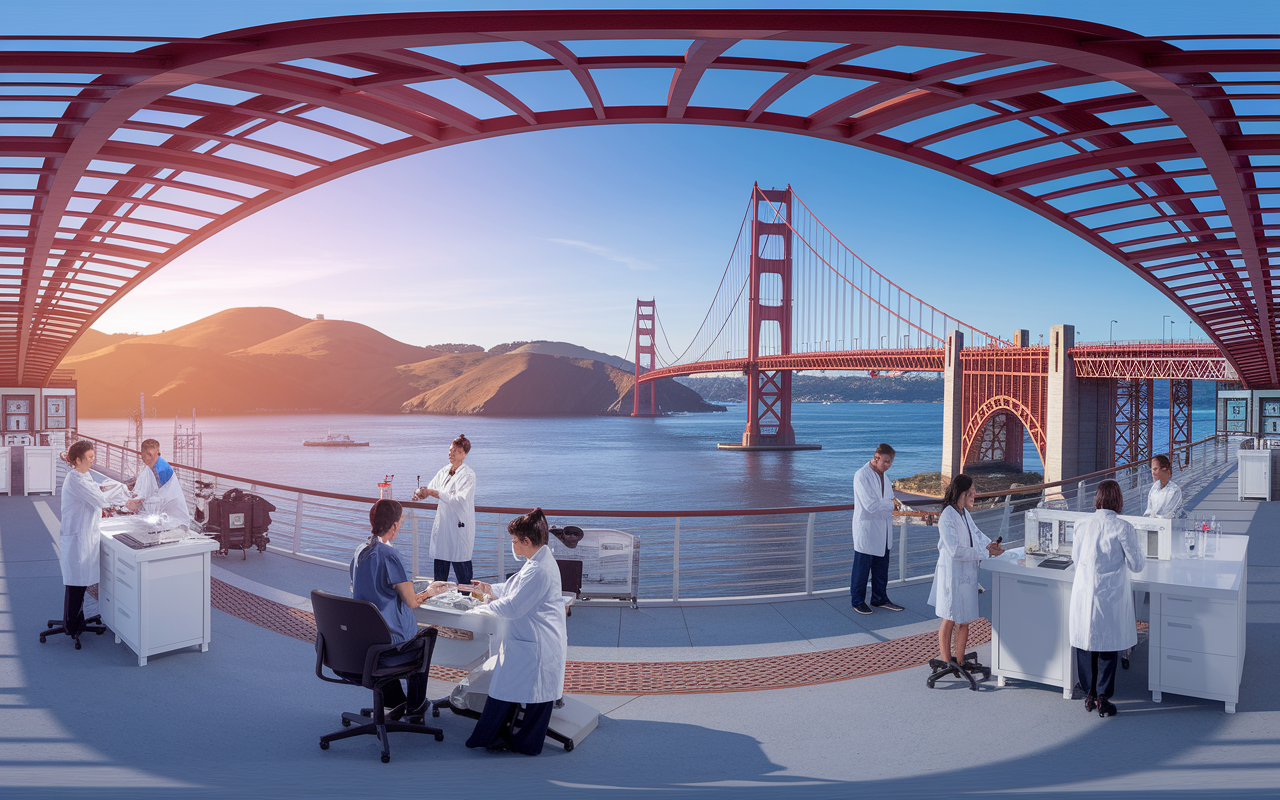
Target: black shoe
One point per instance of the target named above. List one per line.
(1124, 662)
(1105, 708)
(862, 608)
(1090, 703)
(888, 605)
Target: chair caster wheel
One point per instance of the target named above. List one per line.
(439, 737)
(346, 723)
(77, 644)
(99, 632)
(386, 758)
(50, 625)
(324, 745)
(41, 640)
(435, 712)
(929, 682)
(568, 747)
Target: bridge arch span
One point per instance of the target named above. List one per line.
(976, 423)
(172, 143)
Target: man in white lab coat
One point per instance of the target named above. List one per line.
(159, 488)
(453, 532)
(872, 533)
(1164, 500)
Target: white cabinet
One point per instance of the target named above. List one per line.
(6, 482)
(155, 599)
(1034, 609)
(1254, 476)
(39, 470)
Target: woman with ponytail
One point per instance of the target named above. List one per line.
(378, 575)
(961, 546)
(533, 643)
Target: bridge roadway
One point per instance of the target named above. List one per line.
(242, 719)
(1123, 360)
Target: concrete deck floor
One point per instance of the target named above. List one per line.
(242, 720)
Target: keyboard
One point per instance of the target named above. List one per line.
(144, 540)
(129, 541)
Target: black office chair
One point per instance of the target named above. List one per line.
(91, 625)
(353, 640)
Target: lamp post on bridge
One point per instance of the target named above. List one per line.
(1166, 316)
(1113, 329)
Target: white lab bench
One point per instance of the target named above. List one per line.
(575, 719)
(1197, 641)
(155, 599)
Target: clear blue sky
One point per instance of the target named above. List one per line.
(554, 235)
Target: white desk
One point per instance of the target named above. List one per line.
(1197, 642)
(575, 719)
(156, 599)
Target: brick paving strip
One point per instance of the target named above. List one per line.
(658, 677)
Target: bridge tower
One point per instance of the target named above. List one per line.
(769, 392)
(645, 347)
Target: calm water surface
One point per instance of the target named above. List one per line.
(584, 462)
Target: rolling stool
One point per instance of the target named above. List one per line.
(57, 626)
(966, 670)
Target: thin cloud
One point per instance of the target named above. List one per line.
(609, 253)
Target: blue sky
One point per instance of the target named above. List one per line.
(553, 235)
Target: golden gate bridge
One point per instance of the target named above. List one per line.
(793, 296)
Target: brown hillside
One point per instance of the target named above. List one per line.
(340, 343)
(233, 329)
(427, 375)
(96, 340)
(525, 384)
(177, 379)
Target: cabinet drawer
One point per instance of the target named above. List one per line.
(126, 624)
(1198, 635)
(1198, 672)
(125, 593)
(1210, 611)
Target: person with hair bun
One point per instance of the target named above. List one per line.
(453, 532)
(79, 536)
(379, 576)
(533, 643)
(1164, 499)
(955, 580)
(1101, 620)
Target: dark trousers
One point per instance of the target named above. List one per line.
(73, 609)
(462, 569)
(877, 567)
(1097, 672)
(497, 726)
(393, 694)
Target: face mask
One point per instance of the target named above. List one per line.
(519, 558)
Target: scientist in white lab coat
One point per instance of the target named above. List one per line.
(1164, 499)
(1101, 619)
(533, 643)
(453, 533)
(872, 533)
(159, 488)
(79, 537)
(961, 546)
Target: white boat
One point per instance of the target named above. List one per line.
(334, 440)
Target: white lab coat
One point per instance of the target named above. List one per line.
(449, 540)
(1105, 549)
(955, 579)
(1165, 503)
(533, 642)
(168, 499)
(872, 513)
(79, 537)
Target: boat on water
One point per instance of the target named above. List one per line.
(334, 440)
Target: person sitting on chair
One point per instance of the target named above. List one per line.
(955, 579)
(533, 644)
(378, 575)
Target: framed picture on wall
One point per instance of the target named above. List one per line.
(1236, 411)
(17, 405)
(55, 412)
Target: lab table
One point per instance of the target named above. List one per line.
(155, 599)
(574, 719)
(1197, 624)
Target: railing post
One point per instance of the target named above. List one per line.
(297, 524)
(413, 521)
(675, 563)
(1080, 496)
(502, 563)
(902, 552)
(808, 554)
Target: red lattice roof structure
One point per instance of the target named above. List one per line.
(1162, 152)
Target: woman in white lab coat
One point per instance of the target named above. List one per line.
(961, 546)
(1101, 620)
(1164, 500)
(533, 643)
(79, 537)
(453, 533)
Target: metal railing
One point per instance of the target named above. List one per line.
(697, 556)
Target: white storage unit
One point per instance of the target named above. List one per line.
(155, 599)
(1197, 643)
(1254, 477)
(6, 478)
(39, 470)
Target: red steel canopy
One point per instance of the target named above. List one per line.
(1164, 152)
